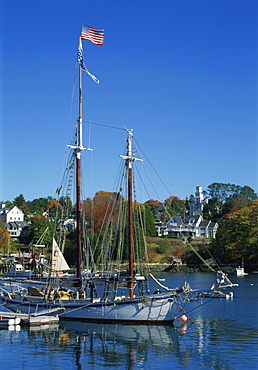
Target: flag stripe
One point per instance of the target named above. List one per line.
(92, 34)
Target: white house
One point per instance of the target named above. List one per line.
(11, 214)
(192, 225)
(188, 226)
(13, 218)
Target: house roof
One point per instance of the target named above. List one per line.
(204, 223)
(193, 217)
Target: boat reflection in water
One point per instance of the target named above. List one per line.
(119, 344)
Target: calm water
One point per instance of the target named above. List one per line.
(223, 334)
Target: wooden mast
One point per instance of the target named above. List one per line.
(78, 180)
(129, 161)
(78, 148)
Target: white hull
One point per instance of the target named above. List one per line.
(240, 271)
(5, 322)
(156, 309)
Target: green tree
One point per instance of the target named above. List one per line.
(21, 203)
(222, 191)
(213, 210)
(67, 205)
(38, 226)
(39, 205)
(149, 222)
(175, 206)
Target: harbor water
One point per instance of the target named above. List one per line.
(222, 334)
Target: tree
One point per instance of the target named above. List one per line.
(157, 208)
(97, 211)
(149, 222)
(235, 202)
(238, 235)
(5, 239)
(175, 205)
(38, 226)
(54, 209)
(223, 191)
(66, 203)
(39, 205)
(213, 210)
(21, 203)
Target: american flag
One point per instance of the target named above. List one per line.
(92, 34)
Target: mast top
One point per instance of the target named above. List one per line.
(130, 157)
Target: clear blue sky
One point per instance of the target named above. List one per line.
(181, 73)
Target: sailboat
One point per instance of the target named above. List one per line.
(121, 295)
(59, 266)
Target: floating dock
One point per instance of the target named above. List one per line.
(23, 319)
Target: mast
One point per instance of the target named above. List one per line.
(129, 162)
(78, 180)
(77, 151)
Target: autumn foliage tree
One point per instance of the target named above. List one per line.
(54, 208)
(157, 208)
(97, 210)
(237, 236)
(5, 239)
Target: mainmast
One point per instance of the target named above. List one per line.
(78, 148)
(129, 162)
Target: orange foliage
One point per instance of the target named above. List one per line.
(153, 203)
(53, 203)
(97, 211)
(179, 253)
(39, 217)
(170, 199)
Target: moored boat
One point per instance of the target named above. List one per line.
(18, 271)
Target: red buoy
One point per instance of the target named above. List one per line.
(183, 318)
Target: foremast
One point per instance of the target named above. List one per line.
(78, 149)
(129, 163)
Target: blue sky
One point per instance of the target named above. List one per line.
(182, 74)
